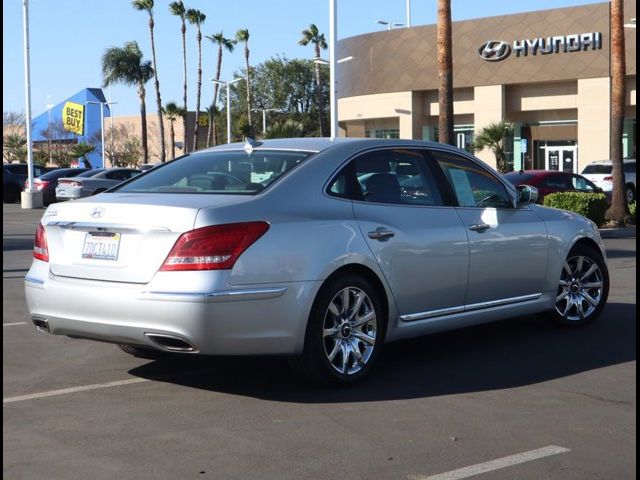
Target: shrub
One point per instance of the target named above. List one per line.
(632, 211)
(590, 205)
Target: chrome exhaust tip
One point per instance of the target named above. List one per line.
(171, 343)
(41, 324)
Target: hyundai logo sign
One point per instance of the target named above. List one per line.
(97, 212)
(495, 50)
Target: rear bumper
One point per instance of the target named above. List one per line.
(263, 319)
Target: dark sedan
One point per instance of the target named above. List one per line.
(550, 181)
(13, 178)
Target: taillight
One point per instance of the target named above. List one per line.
(213, 248)
(40, 249)
(608, 179)
(40, 184)
(73, 183)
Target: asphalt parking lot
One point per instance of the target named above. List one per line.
(517, 399)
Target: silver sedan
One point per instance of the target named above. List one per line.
(87, 185)
(318, 249)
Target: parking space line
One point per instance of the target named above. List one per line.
(496, 464)
(65, 391)
(14, 324)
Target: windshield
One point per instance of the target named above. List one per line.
(219, 172)
(597, 169)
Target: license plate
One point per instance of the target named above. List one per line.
(101, 245)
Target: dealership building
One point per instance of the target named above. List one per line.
(546, 72)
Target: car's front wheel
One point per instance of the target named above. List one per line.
(583, 288)
(630, 193)
(345, 332)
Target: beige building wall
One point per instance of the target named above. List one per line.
(594, 98)
(489, 106)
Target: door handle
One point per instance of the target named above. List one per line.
(479, 227)
(380, 234)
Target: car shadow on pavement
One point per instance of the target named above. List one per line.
(615, 253)
(501, 355)
(25, 242)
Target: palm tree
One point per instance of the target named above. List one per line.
(147, 6)
(618, 212)
(14, 147)
(445, 73)
(223, 43)
(125, 65)
(312, 35)
(80, 151)
(242, 35)
(197, 18)
(178, 9)
(173, 111)
(494, 136)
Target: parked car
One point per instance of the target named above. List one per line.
(552, 181)
(13, 177)
(79, 187)
(320, 253)
(47, 182)
(600, 174)
(147, 166)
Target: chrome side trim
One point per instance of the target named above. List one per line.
(106, 227)
(468, 308)
(219, 296)
(34, 281)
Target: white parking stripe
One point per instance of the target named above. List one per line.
(14, 324)
(497, 464)
(64, 391)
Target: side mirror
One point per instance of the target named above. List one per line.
(527, 194)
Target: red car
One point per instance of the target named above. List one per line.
(551, 181)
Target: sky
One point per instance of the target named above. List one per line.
(68, 38)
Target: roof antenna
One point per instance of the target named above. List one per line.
(250, 144)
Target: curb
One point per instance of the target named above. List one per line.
(626, 232)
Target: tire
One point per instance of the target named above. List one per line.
(10, 195)
(584, 282)
(141, 352)
(344, 334)
(630, 194)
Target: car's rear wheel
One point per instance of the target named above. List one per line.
(583, 288)
(344, 334)
(142, 352)
(630, 193)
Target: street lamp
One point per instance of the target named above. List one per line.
(227, 84)
(333, 100)
(389, 25)
(49, 107)
(264, 116)
(408, 13)
(102, 104)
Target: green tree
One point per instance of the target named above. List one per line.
(80, 151)
(242, 36)
(288, 128)
(197, 18)
(618, 212)
(14, 148)
(178, 9)
(223, 44)
(445, 73)
(313, 36)
(173, 111)
(494, 136)
(125, 65)
(147, 6)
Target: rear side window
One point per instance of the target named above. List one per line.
(219, 172)
(557, 182)
(472, 185)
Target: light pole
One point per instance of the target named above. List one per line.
(408, 13)
(333, 102)
(333, 37)
(49, 107)
(389, 25)
(264, 116)
(102, 104)
(30, 198)
(227, 84)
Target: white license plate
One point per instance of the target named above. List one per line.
(101, 245)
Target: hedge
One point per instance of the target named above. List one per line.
(590, 205)
(632, 211)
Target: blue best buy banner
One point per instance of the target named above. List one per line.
(81, 121)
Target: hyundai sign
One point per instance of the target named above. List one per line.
(496, 50)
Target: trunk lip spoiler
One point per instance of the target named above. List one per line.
(106, 227)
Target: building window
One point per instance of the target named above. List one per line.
(382, 133)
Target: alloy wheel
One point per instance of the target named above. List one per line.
(581, 288)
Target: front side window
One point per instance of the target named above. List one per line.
(219, 172)
(472, 185)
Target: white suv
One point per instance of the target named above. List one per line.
(600, 174)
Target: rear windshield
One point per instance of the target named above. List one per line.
(517, 178)
(62, 172)
(597, 169)
(91, 173)
(221, 172)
